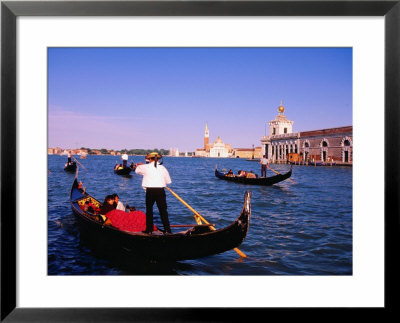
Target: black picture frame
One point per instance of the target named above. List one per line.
(10, 10)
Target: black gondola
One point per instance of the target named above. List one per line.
(265, 181)
(198, 241)
(122, 170)
(70, 167)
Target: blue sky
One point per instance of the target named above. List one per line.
(149, 98)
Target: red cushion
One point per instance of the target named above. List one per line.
(134, 221)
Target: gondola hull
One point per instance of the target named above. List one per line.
(70, 167)
(124, 171)
(263, 181)
(199, 241)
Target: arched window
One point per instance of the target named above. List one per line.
(324, 144)
(347, 153)
(346, 142)
(306, 144)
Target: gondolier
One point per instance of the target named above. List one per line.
(124, 158)
(264, 165)
(155, 179)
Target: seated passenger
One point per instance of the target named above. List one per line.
(241, 173)
(88, 207)
(230, 173)
(250, 174)
(118, 204)
(108, 205)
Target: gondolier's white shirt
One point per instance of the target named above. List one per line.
(153, 176)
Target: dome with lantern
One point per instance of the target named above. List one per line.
(281, 108)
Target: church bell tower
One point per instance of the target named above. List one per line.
(206, 137)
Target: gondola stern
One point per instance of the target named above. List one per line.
(244, 217)
(289, 173)
(247, 202)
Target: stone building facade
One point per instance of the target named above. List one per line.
(325, 145)
(248, 153)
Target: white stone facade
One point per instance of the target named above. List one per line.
(219, 149)
(325, 145)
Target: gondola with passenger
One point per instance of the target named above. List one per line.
(70, 166)
(200, 240)
(264, 181)
(123, 169)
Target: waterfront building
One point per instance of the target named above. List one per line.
(324, 145)
(174, 152)
(249, 153)
(201, 152)
(217, 149)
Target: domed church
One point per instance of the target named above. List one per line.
(217, 149)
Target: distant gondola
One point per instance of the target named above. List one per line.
(198, 241)
(122, 170)
(265, 181)
(70, 167)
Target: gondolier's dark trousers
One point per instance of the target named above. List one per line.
(156, 194)
(263, 170)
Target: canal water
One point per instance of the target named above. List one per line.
(298, 227)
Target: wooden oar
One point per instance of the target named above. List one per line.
(78, 162)
(190, 225)
(281, 174)
(199, 218)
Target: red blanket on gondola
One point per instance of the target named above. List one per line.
(134, 221)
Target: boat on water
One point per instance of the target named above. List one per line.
(265, 181)
(122, 170)
(70, 166)
(200, 240)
